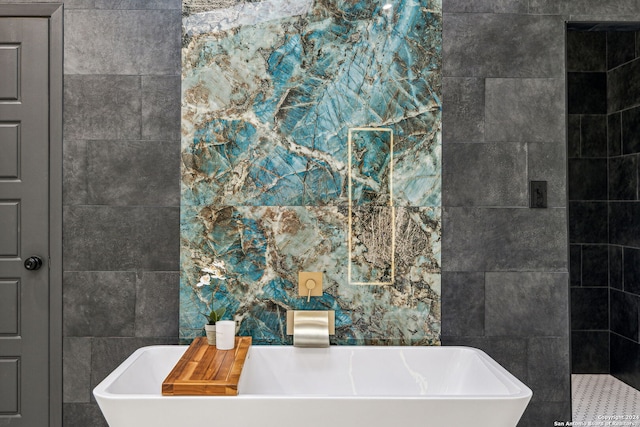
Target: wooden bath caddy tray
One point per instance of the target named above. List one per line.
(204, 370)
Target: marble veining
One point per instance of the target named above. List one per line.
(420, 379)
(270, 91)
(231, 16)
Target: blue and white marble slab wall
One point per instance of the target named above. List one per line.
(270, 90)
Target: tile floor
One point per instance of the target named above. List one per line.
(602, 400)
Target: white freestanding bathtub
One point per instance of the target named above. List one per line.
(337, 386)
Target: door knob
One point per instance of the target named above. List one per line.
(33, 263)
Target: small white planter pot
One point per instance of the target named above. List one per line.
(211, 334)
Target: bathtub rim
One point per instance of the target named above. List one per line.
(101, 390)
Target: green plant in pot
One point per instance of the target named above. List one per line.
(210, 327)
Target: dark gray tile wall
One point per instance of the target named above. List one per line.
(625, 365)
(546, 161)
(498, 184)
(525, 304)
(121, 189)
(621, 48)
(581, 47)
(588, 220)
(595, 267)
(130, 238)
(503, 239)
(593, 135)
(123, 42)
(588, 178)
(463, 317)
(614, 134)
(501, 45)
(615, 267)
(603, 172)
(523, 110)
(464, 106)
(505, 280)
(590, 311)
(102, 106)
(630, 125)
(587, 93)
(505, 267)
(590, 351)
(126, 173)
(623, 100)
(623, 178)
(624, 91)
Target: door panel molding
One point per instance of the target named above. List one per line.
(10, 307)
(10, 148)
(10, 228)
(10, 374)
(10, 70)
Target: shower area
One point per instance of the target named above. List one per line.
(603, 80)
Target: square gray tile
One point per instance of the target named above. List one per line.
(526, 304)
(502, 45)
(102, 107)
(133, 173)
(527, 110)
(496, 239)
(99, 303)
(125, 42)
(121, 238)
(485, 175)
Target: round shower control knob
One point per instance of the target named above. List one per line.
(310, 284)
(33, 263)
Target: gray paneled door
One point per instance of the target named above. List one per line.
(24, 221)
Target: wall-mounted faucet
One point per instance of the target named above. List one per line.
(311, 328)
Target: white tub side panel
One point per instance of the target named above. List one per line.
(283, 412)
